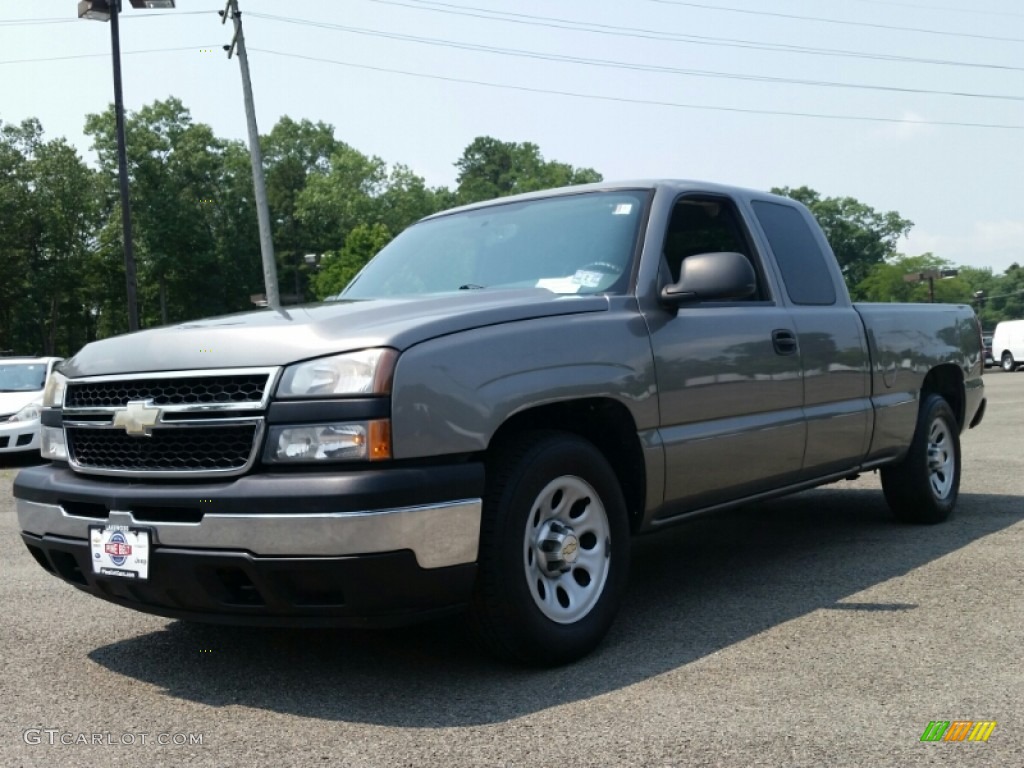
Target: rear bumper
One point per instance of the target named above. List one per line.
(342, 548)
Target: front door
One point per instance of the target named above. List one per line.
(729, 374)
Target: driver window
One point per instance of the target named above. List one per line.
(706, 225)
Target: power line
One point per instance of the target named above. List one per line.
(607, 63)
(650, 102)
(552, 22)
(104, 55)
(943, 8)
(843, 22)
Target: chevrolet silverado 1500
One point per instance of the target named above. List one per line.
(501, 398)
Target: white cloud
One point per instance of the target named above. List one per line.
(995, 244)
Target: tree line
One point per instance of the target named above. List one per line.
(196, 237)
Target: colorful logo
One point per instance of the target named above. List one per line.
(118, 548)
(958, 730)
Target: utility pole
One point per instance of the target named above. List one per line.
(130, 277)
(259, 186)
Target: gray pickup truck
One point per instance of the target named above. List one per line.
(500, 399)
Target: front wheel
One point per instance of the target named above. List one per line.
(1009, 364)
(923, 488)
(554, 550)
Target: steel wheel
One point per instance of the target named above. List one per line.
(941, 459)
(554, 549)
(1008, 365)
(924, 486)
(566, 548)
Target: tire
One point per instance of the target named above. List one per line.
(554, 550)
(1008, 363)
(923, 488)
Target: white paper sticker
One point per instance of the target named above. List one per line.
(623, 209)
(587, 279)
(558, 284)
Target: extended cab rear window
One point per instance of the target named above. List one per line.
(803, 264)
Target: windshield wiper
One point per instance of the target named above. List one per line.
(471, 287)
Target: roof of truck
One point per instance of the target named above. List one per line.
(674, 185)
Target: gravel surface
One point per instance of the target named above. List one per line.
(811, 631)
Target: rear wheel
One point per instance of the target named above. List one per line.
(923, 488)
(554, 550)
(1009, 365)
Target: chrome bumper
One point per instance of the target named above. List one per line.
(439, 534)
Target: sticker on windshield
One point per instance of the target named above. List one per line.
(558, 284)
(587, 279)
(623, 209)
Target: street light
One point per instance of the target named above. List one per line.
(108, 10)
(931, 275)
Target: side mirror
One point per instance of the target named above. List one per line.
(721, 276)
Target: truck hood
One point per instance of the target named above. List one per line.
(279, 337)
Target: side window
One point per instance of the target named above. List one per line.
(706, 225)
(800, 259)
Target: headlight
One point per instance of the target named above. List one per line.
(52, 445)
(367, 372)
(28, 413)
(349, 441)
(53, 395)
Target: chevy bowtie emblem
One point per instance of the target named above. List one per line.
(137, 418)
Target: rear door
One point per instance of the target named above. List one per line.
(728, 373)
(836, 375)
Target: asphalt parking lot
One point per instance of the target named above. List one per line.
(811, 631)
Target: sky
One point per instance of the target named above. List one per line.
(915, 106)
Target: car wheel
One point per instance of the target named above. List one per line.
(1008, 363)
(554, 550)
(924, 486)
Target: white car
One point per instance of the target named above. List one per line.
(22, 380)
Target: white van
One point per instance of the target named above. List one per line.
(1008, 344)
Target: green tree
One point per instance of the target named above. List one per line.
(860, 236)
(15, 272)
(492, 168)
(180, 185)
(294, 152)
(1006, 299)
(887, 281)
(361, 191)
(338, 268)
(49, 195)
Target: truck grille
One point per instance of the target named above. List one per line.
(167, 424)
(248, 388)
(181, 450)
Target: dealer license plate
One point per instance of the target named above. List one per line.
(119, 551)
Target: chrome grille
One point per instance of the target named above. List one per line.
(167, 424)
(248, 388)
(167, 450)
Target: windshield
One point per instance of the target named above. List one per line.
(22, 377)
(570, 244)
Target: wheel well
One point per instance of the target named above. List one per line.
(947, 381)
(607, 424)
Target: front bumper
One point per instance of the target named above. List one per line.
(19, 436)
(342, 548)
